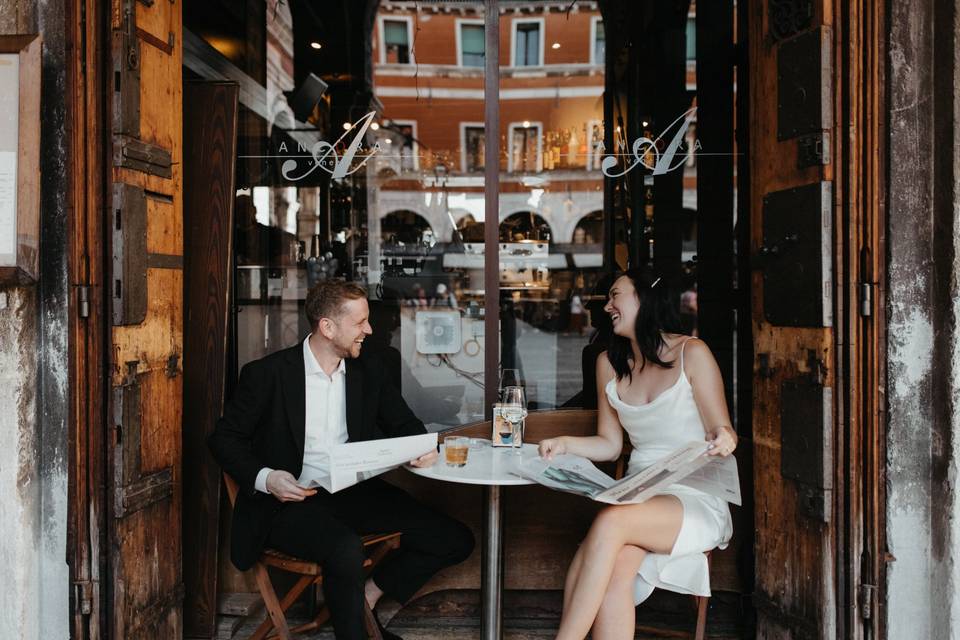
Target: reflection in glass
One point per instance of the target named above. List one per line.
(551, 196)
(408, 219)
(396, 41)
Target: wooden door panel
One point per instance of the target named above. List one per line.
(161, 98)
(795, 591)
(161, 390)
(145, 586)
(157, 21)
(149, 183)
(143, 574)
(160, 335)
(164, 226)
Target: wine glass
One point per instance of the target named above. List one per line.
(514, 410)
(509, 378)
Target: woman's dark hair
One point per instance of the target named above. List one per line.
(659, 313)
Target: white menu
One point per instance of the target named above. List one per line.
(9, 136)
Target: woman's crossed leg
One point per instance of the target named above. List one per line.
(599, 586)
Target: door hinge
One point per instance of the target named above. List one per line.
(866, 299)
(83, 597)
(83, 300)
(866, 600)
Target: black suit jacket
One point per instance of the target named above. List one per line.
(263, 426)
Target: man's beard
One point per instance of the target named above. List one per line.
(348, 351)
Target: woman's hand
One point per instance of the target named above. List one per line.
(553, 447)
(722, 442)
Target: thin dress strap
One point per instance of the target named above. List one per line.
(681, 352)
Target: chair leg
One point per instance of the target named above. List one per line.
(373, 631)
(277, 616)
(291, 596)
(702, 603)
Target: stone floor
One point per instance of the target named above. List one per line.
(535, 615)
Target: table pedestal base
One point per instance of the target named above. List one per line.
(492, 566)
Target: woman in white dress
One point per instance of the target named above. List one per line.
(664, 393)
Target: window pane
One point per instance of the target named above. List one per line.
(395, 32)
(396, 41)
(691, 39)
(524, 144)
(475, 148)
(418, 221)
(600, 44)
(472, 45)
(551, 208)
(528, 45)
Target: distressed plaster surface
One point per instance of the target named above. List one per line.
(20, 497)
(53, 379)
(953, 610)
(910, 330)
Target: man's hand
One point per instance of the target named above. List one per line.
(426, 460)
(283, 486)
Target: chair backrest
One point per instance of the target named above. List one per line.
(539, 425)
(232, 487)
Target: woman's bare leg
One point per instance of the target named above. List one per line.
(573, 574)
(652, 526)
(616, 619)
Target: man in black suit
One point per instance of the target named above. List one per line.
(300, 401)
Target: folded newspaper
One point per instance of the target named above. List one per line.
(353, 462)
(688, 466)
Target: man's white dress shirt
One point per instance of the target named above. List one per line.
(325, 417)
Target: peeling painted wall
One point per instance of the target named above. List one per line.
(34, 375)
(923, 303)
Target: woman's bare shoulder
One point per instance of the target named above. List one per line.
(603, 362)
(697, 357)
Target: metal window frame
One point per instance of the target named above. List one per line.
(491, 196)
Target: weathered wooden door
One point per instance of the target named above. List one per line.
(144, 586)
(793, 147)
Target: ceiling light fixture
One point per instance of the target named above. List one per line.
(316, 45)
(347, 126)
(555, 45)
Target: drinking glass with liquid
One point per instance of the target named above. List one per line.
(513, 408)
(456, 450)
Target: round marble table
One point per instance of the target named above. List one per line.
(492, 467)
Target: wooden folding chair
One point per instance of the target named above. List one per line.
(311, 573)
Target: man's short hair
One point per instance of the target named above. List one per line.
(326, 298)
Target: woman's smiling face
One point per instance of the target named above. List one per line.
(623, 305)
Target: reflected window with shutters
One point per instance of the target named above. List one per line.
(471, 45)
(396, 41)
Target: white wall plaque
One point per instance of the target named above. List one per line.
(20, 71)
(9, 134)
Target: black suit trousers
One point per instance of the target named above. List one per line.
(326, 528)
